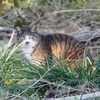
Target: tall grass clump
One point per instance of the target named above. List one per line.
(38, 79)
(8, 64)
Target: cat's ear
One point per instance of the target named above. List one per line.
(18, 29)
(33, 28)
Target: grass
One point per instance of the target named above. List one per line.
(21, 80)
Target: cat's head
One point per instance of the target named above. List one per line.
(27, 36)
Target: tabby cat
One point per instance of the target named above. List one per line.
(37, 47)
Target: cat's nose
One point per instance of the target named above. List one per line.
(27, 43)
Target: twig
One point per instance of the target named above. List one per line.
(83, 90)
(92, 36)
(77, 10)
(88, 83)
(33, 84)
(6, 29)
(53, 4)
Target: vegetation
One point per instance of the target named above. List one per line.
(27, 81)
(20, 80)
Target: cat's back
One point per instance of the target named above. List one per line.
(60, 39)
(61, 44)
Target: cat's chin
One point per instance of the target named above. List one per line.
(26, 45)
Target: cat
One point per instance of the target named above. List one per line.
(37, 47)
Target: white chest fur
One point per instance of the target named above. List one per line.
(27, 51)
(27, 47)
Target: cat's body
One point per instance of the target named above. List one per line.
(38, 47)
(59, 45)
